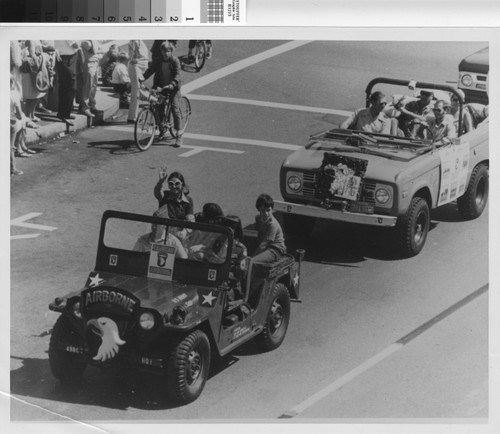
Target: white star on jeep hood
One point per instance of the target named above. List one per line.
(208, 299)
(95, 281)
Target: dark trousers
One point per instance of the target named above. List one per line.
(67, 72)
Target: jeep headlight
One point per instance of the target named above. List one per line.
(147, 320)
(76, 310)
(467, 80)
(383, 196)
(294, 182)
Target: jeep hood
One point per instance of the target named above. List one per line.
(385, 166)
(155, 294)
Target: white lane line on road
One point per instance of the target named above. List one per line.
(23, 237)
(197, 149)
(391, 349)
(241, 64)
(269, 104)
(239, 141)
(222, 139)
(21, 222)
(342, 381)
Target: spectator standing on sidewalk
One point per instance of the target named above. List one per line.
(51, 55)
(16, 60)
(138, 63)
(87, 86)
(107, 64)
(69, 66)
(121, 80)
(36, 76)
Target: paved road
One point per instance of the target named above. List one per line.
(360, 346)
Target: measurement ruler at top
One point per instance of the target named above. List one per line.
(184, 12)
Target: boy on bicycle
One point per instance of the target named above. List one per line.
(167, 76)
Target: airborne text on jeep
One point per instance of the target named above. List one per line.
(384, 180)
(166, 306)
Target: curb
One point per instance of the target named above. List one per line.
(60, 129)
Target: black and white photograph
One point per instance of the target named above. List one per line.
(281, 226)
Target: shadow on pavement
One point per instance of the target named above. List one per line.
(347, 244)
(117, 388)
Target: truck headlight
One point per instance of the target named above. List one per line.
(147, 320)
(294, 182)
(383, 196)
(467, 80)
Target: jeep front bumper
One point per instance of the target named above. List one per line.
(330, 214)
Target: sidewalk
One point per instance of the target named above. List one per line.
(51, 127)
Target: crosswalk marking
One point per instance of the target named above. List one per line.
(220, 139)
(22, 222)
(269, 104)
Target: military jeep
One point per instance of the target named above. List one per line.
(156, 303)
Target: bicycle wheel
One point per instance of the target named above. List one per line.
(145, 129)
(185, 109)
(200, 55)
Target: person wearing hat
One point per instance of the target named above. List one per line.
(416, 110)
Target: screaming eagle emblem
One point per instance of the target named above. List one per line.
(107, 329)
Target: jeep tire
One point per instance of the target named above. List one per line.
(413, 227)
(66, 367)
(298, 225)
(276, 323)
(471, 205)
(188, 367)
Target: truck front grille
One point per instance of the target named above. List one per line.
(309, 190)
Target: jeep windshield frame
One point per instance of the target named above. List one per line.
(417, 85)
(122, 257)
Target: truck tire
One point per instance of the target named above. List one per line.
(66, 367)
(298, 225)
(471, 205)
(413, 227)
(188, 367)
(277, 320)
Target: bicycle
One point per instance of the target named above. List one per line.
(200, 54)
(152, 121)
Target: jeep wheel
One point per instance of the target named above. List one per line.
(66, 367)
(298, 225)
(471, 205)
(277, 320)
(188, 367)
(413, 227)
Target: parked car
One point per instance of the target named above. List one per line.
(473, 76)
(156, 304)
(384, 180)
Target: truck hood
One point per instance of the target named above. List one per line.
(385, 166)
(476, 62)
